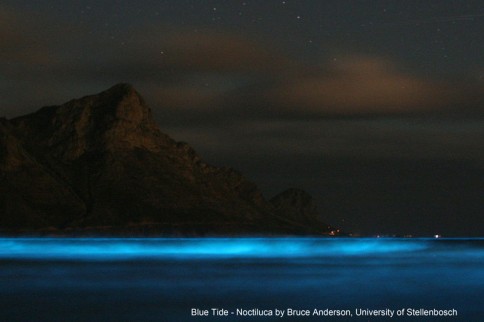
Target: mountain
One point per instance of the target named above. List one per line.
(28, 191)
(101, 164)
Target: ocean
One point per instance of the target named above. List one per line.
(241, 279)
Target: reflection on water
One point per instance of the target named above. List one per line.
(162, 279)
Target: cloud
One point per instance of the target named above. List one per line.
(173, 68)
(363, 86)
(216, 76)
(20, 39)
(210, 51)
(329, 138)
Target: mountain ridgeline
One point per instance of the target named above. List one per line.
(101, 165)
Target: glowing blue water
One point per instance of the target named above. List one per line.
(95, 279)
(119, 249)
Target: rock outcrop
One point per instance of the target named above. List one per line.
(297, 206)
(101, 164)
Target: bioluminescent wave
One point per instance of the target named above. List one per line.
(113, 248)
(155, 279)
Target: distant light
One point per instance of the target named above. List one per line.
(437, 236)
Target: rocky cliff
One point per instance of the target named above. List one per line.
(101, 164)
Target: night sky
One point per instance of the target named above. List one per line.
(374, 107)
